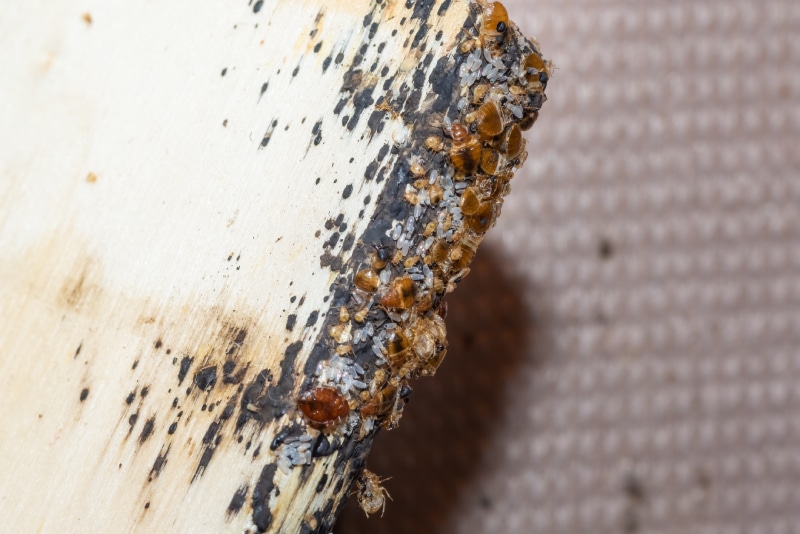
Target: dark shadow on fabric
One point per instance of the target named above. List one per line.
(447, 427)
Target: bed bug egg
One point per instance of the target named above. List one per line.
(488, 120)
(323, 406)
(366, 280)
(400, 294)
(465, 152)
(371, 494)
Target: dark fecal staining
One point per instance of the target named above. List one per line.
(291, 321)
(264, 88)
(147, 505)
(237, 501)
(224, 71)
(349, 240)
(84, 394)
(172, 428)
(322, 481)
(186, 363)
(326, 63)
(159, 463)
(205, 459)
(132, 419)
(257, 6)
(78, 350)
(295, 71)
(206, 378)
(147, 429)
(312, 318)
(262, 516)
(145, 391)
(158, 344)
(130, 398)
(317, 47)
(329, 260)
(348, 190)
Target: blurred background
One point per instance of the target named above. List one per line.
(625, 356)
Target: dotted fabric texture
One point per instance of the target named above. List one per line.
(625, 356)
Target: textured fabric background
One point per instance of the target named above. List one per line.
(625, 356)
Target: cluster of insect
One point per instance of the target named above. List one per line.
(458, 179)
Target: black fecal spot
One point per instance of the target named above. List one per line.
(362, 100)
(322, 481)
(172, 428)
(345, 119)
(317, 47)
(326, 63)
(418, 78)
(375, 122)
(132, 419)
(158, 343)
(373, 29)
(317, 127)
(333, 240)
(322, 446)
(262, 516)
(186, 363)
(368, 18)
(302, 300)
(339, 219)
(211, 433)
(384, 71)
(147, 505)
(605, 249)
(78, 350)
(224, 71)
(338, 487)
(158, 464)
(339, 58)
(369, 173)
(312, 318)
(205, 459)
(135, 364)
(331, 261)
(351, 80)
(145, 391)
(264, 88)
(206, 378)
(348, 242)
(342, 227)
(348, 190)
(387, 83)
(257, 6)
(381, 47)
(147, 429)
(227, 412)
(291, 321)
(84, 394)
(131, 396)
(339, 106)
(295, 71)
(439, 35)
(257, 451)
(237, 501)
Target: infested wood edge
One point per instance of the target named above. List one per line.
(352, 439)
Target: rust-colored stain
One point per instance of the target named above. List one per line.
(91, 178)
(87, 18)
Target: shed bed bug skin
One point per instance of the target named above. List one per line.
(323, 406)
(370, 493)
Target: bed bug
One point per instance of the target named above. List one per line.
(434, 143)
(465, 152)
(494, 24)
(510, 142)
(323, 406)
(367, 280)
(470, 201)
(492, 161)
(428, 339)
(483, 219)
(371, 494)
(381, 403)
(488, 120)
(400, 294)
(528, 120)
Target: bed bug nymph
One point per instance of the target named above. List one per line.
(371, 494)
